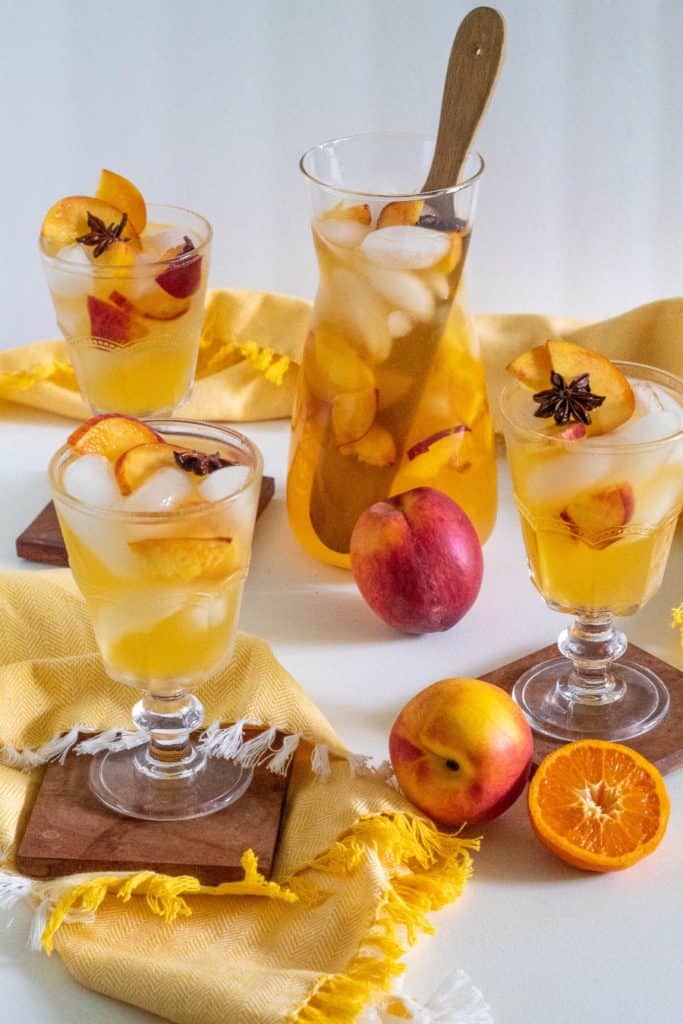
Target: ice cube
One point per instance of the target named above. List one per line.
(162, 491)
(652, 426)
(223, 482)
(403, 289)
(138, 613)
(90, 479)
(75, 254)
(348, 234)
(558, 478)
(405, 247)
(399, 323)
(156, 242)
(352, 300)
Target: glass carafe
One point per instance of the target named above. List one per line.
(391, 392)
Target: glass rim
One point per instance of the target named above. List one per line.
(137, 269)
(162, 425)
(669, 380)
(459, 186)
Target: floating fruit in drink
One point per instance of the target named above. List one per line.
(128, 291)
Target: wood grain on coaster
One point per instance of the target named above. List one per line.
(42, 541)
(69, 831)
(662, 745)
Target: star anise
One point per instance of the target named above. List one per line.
(201, 463)
(102, 235)
(567, 402)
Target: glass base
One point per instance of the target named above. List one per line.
(635, 701)
(127, 782)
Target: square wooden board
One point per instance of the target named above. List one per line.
(70, 831)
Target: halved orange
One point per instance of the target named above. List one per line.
(598, 806)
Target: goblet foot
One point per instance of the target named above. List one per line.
(633, 700)
(129, 782)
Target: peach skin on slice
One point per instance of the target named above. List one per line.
(376, 448)
(67, 220)
(605, 378)
(353, 413)
(110, 435)
(596, 516)
(184, 273)
(186, 559)
(404, 211)
(359, 212)
(124, 195)
(114, 321)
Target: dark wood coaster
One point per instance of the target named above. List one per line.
(70, 831)
(42, 541)
(662, 745)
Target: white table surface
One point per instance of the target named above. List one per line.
(543, 942)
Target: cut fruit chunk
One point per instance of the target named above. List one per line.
(533, 369)
(353, 413)
(159, 305)
(335, 366)
(359, 212)
(598, 806)
(454, 254)
(597, 516)
(124, 195)
(114, 321)
(184, 274)
(406, 211)
(67, 220)
(186, 559)
(111, 434)
(406, 247)
(606, 379)
(376, 448)
(137, 464)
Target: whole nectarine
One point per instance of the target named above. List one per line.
(417, 560)
(461, 751)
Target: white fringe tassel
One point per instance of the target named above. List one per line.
(112, 739)
(455, 1001)
(320, 761)
(55, 749)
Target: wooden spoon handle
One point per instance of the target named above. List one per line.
(473, 67)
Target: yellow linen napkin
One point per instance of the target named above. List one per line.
(356, 873)
(252, 343)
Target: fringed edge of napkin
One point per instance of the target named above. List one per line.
(677, 620)
(227, 742)
(427, 869)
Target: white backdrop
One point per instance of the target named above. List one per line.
(209, 103)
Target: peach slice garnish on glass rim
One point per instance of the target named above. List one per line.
(136, 464)
(67, 220)
(533, 369)
(186, 559)
(124, 195)
(111, 434)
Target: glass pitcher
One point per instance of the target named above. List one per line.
(391, 393)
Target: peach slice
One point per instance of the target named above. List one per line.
(360, 213)
(124, 195)
(67, 220)
(376, 448)
(453, 256)
(135, 465)
(605, 379)
(405, 211)
(184, 273)
(353, 413)
(186, 559)
(335, 366)
(595, 516)
(533, 369)
(114, 321)
(110, 435)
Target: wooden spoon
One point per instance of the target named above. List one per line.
(473, 67)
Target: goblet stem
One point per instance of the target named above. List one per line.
(169, 719)
(592, 645)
